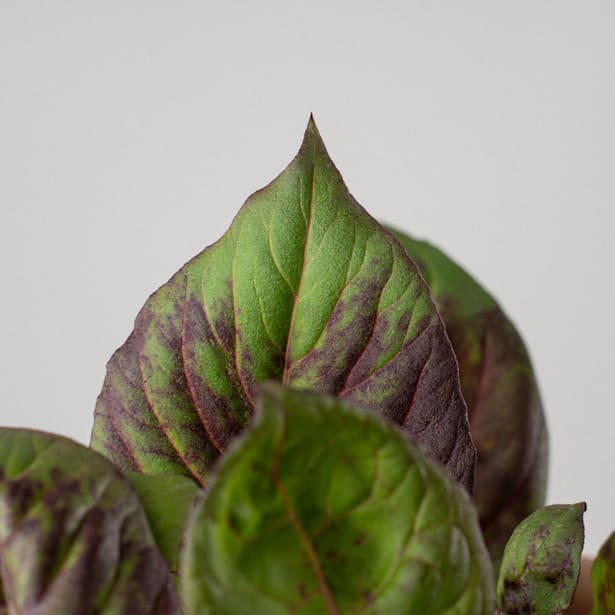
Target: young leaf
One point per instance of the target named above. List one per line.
(506, 417)
(540, 567)
(603, 579)
(305, 288)
(323, 508)
(74, 538)
(167, 500)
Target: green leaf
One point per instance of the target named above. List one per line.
(541, 561)
(305, 288)
(324, 508)
(497, 381)
(74, 537)
(167, 500)
(603, 579)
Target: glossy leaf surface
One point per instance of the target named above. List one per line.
(541, 562)
(74, 537)
(323, 508)
(506, 416)
(304, 288)
(603, 579)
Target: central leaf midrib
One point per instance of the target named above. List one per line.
(296, 523)
(293, 315)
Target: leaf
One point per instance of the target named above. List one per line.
(167, 500)
(506, 416)
(74, 538)
(305, 288)
(324, 508)
(603, 579)
(541, 561)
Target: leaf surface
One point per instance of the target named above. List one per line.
(167, 500)
(603, 579)
(497, 381)
(541, 562)
(305, 288)
(74, 537)
(324, 508)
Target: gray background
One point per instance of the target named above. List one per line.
(130, 134)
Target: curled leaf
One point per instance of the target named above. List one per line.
(320, 507)
(305, 288)
(73, 534)
(541, 562)
(497, 381)
(603, 579)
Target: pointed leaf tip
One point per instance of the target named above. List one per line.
(311, 124)
(312, 136)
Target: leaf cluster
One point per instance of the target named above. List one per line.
(316, 414)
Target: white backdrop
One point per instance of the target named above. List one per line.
(130, 134)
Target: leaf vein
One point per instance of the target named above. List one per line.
(240, 377)
(163, 428)
(296, 523)
(285, 373)
(198, 410)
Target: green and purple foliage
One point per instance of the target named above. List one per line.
(73, 535)
(541, 562)
(497, 381)
(305, 288)
(339, 486)
(362, 521)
